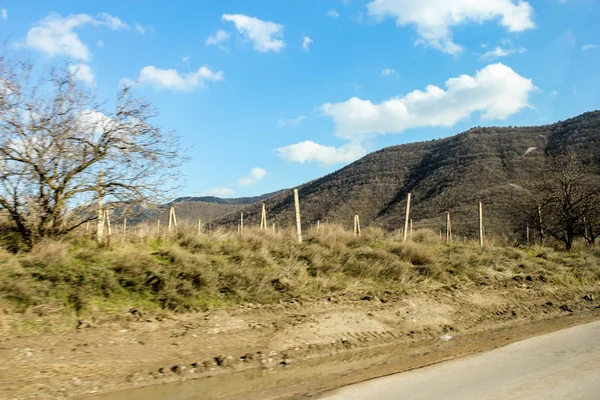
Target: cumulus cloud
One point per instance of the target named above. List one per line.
(256, 174)
(390, 72)
(590, 47)
(265, 35)
(333, 13)
(83, 73)
(4, 14)
(217, 38)
(306, 42)
(55, 35)
(495, 91)
(171, 79)
(434, 19)
(219, 191)
(309, 151)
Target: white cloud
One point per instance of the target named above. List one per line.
(4, 14)
(100, 43)
(309, 151)
(590, 47)
(218, 37)
(256, 174)
(84, 73)
(266, 35)
(220, 191)
(333, 13)
(141, 29)
(498, 52)
(306, 42)
(185, 59)
(126, 83)
(496, 92)
(553, 93)
(292, 122)
(434, 19)
(359, 18)
(112, 22)
(170, 79)
(55, 35)
(390, 72)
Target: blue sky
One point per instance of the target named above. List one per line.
(268, 94)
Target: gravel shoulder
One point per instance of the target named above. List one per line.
(283, 350)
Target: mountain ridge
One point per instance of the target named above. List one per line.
(488, 164)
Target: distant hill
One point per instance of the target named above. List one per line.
(492, 165)
(207, 208)
(220, 200)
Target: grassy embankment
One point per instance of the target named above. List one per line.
(50, 287)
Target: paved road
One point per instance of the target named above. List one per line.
(564, 365)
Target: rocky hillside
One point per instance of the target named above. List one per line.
(492, 165)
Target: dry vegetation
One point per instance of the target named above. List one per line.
(76, 278)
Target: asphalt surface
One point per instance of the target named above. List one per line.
(563, 365)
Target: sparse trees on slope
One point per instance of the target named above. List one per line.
(591, 222)
(567, 193)
(55, 139)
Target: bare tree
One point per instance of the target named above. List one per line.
(567, 191)
(61, 150)
(591, 222)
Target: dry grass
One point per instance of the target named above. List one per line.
(190, 272)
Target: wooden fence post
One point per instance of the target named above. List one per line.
(158, 227)
(541, 229)
(527, 233)
(298, 223)
(480, 224)
(356, 225)
(263, 217)
(242, 224)
(172, 220)
(124, 226)
(407, 218)
(199, 230)
(411, 228)
(100, 227)
(318, 226)
(448, 228)
(108, 230)
(273, 227)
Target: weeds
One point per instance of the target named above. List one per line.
(188, 272)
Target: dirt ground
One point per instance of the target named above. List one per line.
(288, 350)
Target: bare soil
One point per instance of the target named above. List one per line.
(287, 350)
